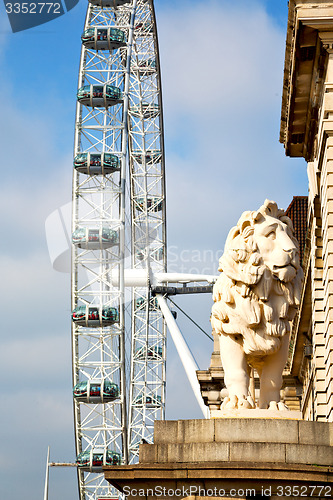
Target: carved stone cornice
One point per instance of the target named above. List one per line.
(309, 41)
(326, 38)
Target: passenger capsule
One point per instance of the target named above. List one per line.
(146, 66)
(96, 163)
(149, 401)
(153, 204)
(140, 255)
(94, 460)
(96, 391)
(140, 303)
(95, 239)
(103, 38)
(145, 28)
(109, 3)
(155, 254)
(151, 156)
(153, 352)
(99, 96)
(93, 316)
(146, 109)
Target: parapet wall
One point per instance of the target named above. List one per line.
(240, 440)
(231, 457)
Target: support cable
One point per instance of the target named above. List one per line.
(196, 324)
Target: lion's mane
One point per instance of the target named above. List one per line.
(243, 292)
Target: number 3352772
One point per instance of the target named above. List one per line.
(33, 8)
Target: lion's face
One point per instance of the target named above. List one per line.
(276, 247)
(258, 291)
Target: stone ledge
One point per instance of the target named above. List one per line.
(245, 452)
(257, 413)
(263, 452)
(224, 430)
(317, 433)
(171, 467)
(257, 431)
(184, 453)
(216, 474)
(309, 454)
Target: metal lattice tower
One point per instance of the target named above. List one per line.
(118, 219)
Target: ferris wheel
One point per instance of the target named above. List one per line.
(117, 238)
(118, 242)
(118, 219)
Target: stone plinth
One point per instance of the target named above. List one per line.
(230, 453)
(257, 413)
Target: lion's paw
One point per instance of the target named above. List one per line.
(237, 403)
(273, 405)
(245, 404)
(229, 403)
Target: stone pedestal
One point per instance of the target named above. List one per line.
(257, 413)
(225, 457)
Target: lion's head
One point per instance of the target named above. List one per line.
(258, 291)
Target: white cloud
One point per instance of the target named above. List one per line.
(26, 209)
(222, 80)
(218, 58)
(35, 362)
(35, 301)
(42, 411)
(30, 421)
(222, 68)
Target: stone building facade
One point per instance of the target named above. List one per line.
(307, 131)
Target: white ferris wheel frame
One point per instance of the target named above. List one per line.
(132, 129)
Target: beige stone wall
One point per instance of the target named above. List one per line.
(307, 130)
(322, 255)
(316, 376)
(317, 395)
(230, 456)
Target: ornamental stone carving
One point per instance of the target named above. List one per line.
(256, 298)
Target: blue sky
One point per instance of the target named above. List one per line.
(222, 68)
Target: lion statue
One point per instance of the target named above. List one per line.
(256, 297)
